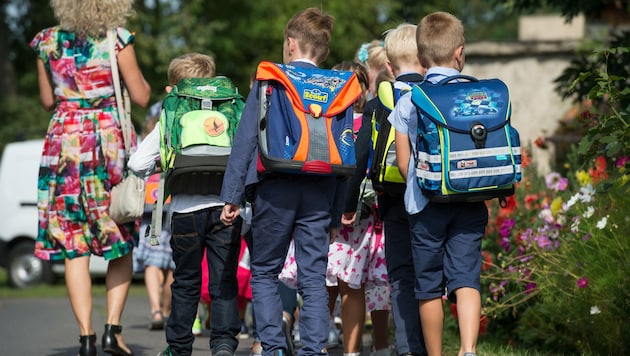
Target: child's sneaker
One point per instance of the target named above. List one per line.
(256, 348)
(333, 336)
(196, 328)
(244, 333)
(166, 352)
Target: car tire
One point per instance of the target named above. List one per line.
(25, 269)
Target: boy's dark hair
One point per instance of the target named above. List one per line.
(363, 77)
(312, 28)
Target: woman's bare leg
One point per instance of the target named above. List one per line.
(117, 282)
(79, 285)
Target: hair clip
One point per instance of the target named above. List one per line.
(362, 54)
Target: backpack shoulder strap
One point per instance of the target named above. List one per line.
(386, 95)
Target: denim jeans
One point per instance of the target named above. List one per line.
(294, 206)
(192, 234)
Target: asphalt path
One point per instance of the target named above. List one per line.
(46, 327)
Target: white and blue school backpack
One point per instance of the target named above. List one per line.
(467, 149)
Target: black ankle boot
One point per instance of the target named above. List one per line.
(110, 343)
(88, 345)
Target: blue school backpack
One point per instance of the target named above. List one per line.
(467, 149)
(305, 121)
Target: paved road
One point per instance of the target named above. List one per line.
(46, 327)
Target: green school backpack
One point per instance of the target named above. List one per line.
(197, 126)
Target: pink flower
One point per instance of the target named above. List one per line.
(582, 282)
(622, 161)
(555, 181)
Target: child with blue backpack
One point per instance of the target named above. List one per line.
(445, 237)
(196, 228)
(287, 205)
(403, 61)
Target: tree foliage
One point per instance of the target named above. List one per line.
(237, 33)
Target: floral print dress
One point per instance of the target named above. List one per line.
(83, 154)
(356, 257)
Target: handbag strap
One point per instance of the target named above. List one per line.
(122, 96)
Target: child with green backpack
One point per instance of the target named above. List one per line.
(200, 113)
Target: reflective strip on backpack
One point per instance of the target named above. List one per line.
(482, 172)
(468, 173)
(484, 152)
(434, 176)
(425, 157)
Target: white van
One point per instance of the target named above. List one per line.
(18, 212)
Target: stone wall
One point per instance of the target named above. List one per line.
(529, 68)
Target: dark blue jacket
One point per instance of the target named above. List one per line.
(241, 170)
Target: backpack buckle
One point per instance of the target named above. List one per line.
(479, 133)
(206, 104)
(315, 110)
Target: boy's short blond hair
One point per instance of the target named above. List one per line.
(438, 36)
(401, 47)
(191, 65)
(312, 29)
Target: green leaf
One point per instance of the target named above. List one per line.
(609, 139)
(584, 145)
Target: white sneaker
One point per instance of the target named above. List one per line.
(333, 336)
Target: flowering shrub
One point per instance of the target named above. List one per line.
(557, 258)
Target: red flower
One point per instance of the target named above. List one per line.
(486, 263)
(599, 172)
(525, 159)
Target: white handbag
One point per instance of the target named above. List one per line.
(127, 197)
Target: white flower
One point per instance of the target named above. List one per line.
(546, 215)
(561, 219)
(574, 199)
(587, 193)
(575, 225)
(589, 212)
(602, 223)
(595, 310)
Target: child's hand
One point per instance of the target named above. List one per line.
(229, 213)
(347, 219)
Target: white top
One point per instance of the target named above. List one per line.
(143, 162)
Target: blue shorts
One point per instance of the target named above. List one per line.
(446, 247)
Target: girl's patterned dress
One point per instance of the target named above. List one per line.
(83, 154)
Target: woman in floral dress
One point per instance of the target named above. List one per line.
(83, 155)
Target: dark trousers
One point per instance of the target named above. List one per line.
(400, 271)
(288, 207)
(192, 234)
(287, 295)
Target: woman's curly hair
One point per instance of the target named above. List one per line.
(92, 17)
